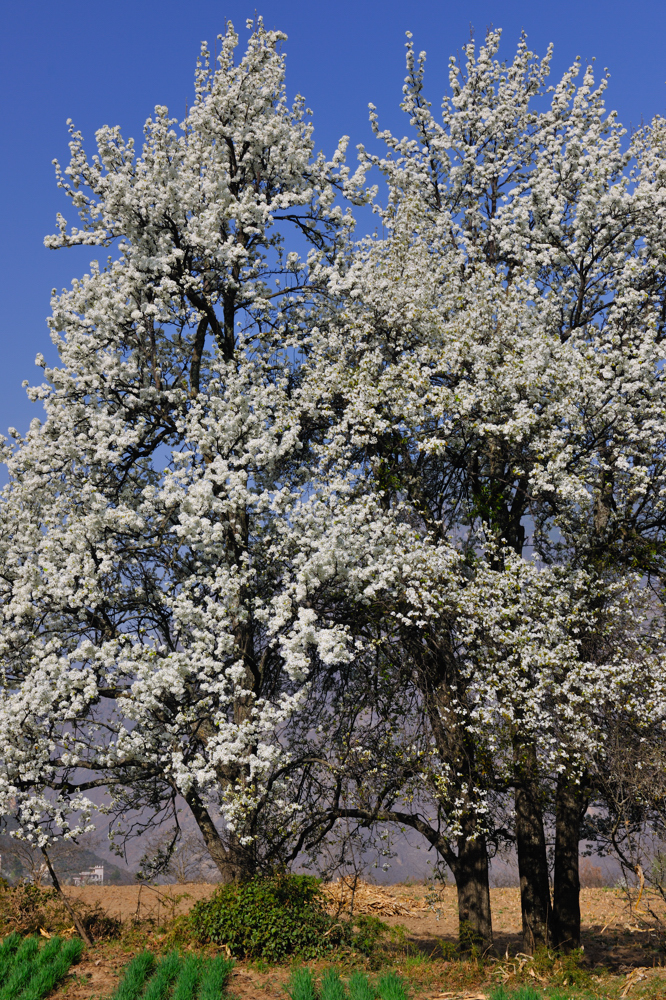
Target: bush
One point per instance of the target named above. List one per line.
(98, 925)
(275, 917)
(28, 909)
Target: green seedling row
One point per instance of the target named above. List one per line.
(175, 977)
(31, 972)
(388, 987)
(332, 987)
(526, 993)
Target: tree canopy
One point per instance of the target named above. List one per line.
(325, 533)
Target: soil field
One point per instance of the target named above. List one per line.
(613, 933)
(624, 957)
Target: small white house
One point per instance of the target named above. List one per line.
(94, 877)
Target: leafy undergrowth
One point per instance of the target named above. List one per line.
(174, 977)
(31, 972)
(275, 918)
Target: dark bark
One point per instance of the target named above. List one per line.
(469, 867)
(442, 693)
(229, 312)
(470, 870)
(235, 863)
(532, 858)
(197, 354)
(570, 806)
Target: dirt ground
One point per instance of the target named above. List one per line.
(142, 902)
(611, 931)
(614, 935)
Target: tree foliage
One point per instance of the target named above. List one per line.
(374, 536)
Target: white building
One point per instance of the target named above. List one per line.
(94, 877)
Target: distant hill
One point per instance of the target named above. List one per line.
(19, 860)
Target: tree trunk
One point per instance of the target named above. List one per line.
(234, 862)
(470, 871)
(532, 858)
(570, 805)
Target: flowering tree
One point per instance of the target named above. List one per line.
(271, 548)
(496, 368)
(153, 639)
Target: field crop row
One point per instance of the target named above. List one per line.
(388, 987)
(175, 977)
(30, 972)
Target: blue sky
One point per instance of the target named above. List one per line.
(110, 63)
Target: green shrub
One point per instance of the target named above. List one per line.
(570, 971)
(368, 932)
(275, 917)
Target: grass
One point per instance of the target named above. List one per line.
(332, 987)
(391, 987)
(31, 969)
(474, 977)
(136, 974)
(521, 993)
(165, 975)
(531, 993)
(214, 978)
(28, 972)
(360, 988)
(7, 950)
(51, 973)
(175, 977)
(188, 979)
(301, 985)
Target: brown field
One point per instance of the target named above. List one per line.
(612, 931)
(615, 936)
